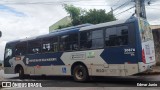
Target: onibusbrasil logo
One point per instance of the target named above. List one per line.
(19, 84)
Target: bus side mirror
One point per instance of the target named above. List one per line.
(0, 33)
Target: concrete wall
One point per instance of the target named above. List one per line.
(156, 36)
(64, 21)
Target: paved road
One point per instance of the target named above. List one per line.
(7, 76)
(95, 83)
(87, 88)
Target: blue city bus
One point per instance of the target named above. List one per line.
(117, 48)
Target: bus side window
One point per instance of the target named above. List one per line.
(91, 39)
(131, 34)
(21, 48)
(122, 33)
(55, 44)
(47, 45)
(69, 42)
(111, 36)
(85, 40)
(73, 42)
(116, 36)
(34, 46)
(63, 42)
(97, 39)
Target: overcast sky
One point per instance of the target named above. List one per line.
(27, 18)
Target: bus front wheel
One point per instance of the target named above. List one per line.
(80, 73)
(21, 73)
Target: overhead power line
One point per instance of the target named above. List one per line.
(92, 4)
(25, 3)
(126, 3)
(125, 10)
(44, 3)
(116, 3)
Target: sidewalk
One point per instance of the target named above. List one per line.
(1, 79)
(155, 71)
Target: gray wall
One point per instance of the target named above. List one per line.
(156, 36)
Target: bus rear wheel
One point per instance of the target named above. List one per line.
(80, 73)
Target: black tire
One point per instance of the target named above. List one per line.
(80, 73)
(21, 73)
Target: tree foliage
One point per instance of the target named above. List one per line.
(94, 16)
(63, 26)
(74, 13)
(81, 16)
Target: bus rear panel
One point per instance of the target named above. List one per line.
(147, 46)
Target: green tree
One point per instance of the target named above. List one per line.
(94, 16)
(81, 16)
(74, 13)
(63, 26)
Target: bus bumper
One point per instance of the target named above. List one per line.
(145, 67)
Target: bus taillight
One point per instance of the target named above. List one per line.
(143, 56)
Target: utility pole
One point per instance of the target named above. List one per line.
(140, 8)
(111, 12)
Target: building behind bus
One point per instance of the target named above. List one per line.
(156, 36)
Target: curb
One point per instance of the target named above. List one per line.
(0, 84)
(150, 73)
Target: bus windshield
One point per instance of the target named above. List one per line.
(146, 32)
(8, 52)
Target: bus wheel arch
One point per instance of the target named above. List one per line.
(82, 68)
(19, 69)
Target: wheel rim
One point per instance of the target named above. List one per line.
(20, 72)
(79, 74)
